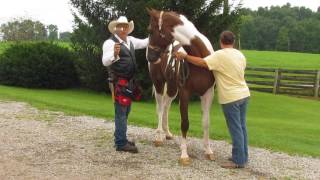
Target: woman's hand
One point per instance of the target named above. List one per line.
(179, 56)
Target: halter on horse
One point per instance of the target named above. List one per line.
(164, 29)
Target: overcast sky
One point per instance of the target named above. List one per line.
(58, 12)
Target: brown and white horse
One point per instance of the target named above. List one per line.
(165, 28)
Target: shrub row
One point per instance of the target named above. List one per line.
(38, 65)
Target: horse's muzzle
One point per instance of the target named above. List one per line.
(153, 55)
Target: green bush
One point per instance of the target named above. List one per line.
(38, 65)
(92, 74)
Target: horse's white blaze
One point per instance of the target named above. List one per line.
(206, 101)
(184, 153)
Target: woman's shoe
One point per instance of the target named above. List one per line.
(231, 165)
(128, 148)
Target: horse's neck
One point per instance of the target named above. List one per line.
(188, 35)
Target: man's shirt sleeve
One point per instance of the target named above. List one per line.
(139, 43)
(108, 53)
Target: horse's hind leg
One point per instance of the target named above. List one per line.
(184, 99)
(206, 101)
(159, 132)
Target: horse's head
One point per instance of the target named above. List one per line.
(160, 29)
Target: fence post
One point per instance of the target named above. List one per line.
(316, 85)
(276, 83)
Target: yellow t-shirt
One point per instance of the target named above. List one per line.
(228, 66)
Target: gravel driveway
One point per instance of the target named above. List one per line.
(36, 144)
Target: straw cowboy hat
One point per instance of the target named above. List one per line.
(121, 20)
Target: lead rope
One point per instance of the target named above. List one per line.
(170, 65)
(184, 72)
(180, 68)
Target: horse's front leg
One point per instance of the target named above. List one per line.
(206, 101)
(184, 99)
(167, 100)
(159, 132)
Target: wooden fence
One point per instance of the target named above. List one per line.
(284, 81)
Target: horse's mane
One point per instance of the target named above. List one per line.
(183, 33)
(173, 14)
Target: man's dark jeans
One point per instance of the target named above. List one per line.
(235, 114)
(121, 117)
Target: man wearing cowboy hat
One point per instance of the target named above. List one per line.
(119, 57)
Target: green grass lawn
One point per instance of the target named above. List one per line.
(287, 60)
(275, 122)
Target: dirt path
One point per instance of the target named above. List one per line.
(50, 145)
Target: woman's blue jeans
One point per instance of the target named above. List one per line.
(235, 114)
(120, 120)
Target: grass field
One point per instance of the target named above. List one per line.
(279, 123)
(288, 60)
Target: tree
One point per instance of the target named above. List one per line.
(23, 29)
(312, 39)
(298, 37)
(283, 41)
(266, 33)
(281, 28)
(40, 31)
(248, 33)
(65, 36)
(52, 32)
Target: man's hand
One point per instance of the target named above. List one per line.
(116, 50)
(179, 56)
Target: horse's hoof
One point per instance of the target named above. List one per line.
(169, 137)
(210, 157)
(185, 161)
(158, 143)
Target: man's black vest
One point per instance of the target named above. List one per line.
(126, 66)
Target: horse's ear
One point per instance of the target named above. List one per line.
(149, 10)
(152, 12)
